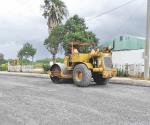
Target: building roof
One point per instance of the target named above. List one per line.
(126, 43)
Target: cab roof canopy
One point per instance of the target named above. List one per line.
(79, 43)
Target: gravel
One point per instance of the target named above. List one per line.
(37, 101)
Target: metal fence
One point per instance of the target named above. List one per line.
(132, 70)
(127, 70)
(19, 68)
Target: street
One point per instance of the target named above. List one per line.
(37, 101)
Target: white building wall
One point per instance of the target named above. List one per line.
(128, 57)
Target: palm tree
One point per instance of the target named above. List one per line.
(54, 12)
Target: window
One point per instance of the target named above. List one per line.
(121, 38)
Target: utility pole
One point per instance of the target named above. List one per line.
(147, 44)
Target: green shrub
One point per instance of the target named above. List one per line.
(46, 67)
(38, 65)
(59, 60)
(44, 61)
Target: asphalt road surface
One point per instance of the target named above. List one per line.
(37, 101)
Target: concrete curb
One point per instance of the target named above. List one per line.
(115, 80)
(129, 81)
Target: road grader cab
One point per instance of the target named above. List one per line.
(84, 67)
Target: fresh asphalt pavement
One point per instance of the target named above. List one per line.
(37, 101)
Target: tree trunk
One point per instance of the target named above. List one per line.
(54, 58)
(32, 60)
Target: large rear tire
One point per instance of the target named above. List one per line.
(99, 80)
(81, 75)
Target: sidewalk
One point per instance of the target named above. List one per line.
(115, 80)
(25, 74)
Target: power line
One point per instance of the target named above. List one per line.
(113, 9)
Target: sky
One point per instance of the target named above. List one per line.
(21, 21)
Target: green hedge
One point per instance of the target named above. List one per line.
(46, 67)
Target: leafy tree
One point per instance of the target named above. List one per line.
(27, 51)
(76, 30)
(54, 12)
(53, 41)
(75, 24)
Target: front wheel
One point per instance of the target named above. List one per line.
(99, 79)
(55, 79)
(81, 75)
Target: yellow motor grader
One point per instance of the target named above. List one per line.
(82, 68)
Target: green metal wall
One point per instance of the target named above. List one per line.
(126, 43)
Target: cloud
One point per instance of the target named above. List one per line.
(122, 21)
(22, 21)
